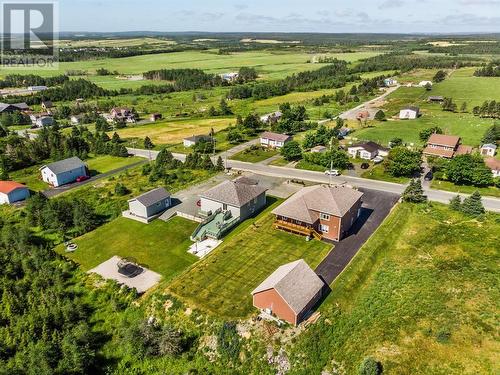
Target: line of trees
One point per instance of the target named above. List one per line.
(491, 69)
(489, 109)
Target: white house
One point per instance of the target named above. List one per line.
(230, 77)
(409, 113)
(148, 206)
(388, 82)
(37, 88)
(11, 192)
(191, 141)
(274, 140)
(488, 149)
(367, 151)
(424, 83)
(44, 121)
(63, 172)
(271, 117)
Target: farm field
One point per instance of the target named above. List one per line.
(222, 282)
(418, 298)
(160, 246)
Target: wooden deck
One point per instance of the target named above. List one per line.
(297, 229)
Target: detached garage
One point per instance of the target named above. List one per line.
(11, 192)
(290, 292)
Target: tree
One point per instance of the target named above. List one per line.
(220, 164)
(291, 151)
(370, 366)
(116, 138)
(469, 170)
(84, 217)
(380, 115)
(449, 105)
(414, 193)
(440, 76)
(224, 109)
(456, 203)
(428, 86)
(234, 136)
(472, 205)
(463, 107)
(396, 142)
(121, 189)
(425, 134)
(252, 123)
(402, 162)
(148, 144)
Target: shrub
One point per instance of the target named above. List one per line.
(370, 366)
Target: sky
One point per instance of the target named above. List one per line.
(332, 16)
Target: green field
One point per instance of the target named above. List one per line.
(251, 155)
(378, 173)
(450, 186)
(420, 297)
(160, 246)
(222, 282)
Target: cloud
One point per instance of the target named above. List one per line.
(391, 4)
(480, 2)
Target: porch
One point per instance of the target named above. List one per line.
(304, 230)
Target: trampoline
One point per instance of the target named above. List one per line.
(128, 267)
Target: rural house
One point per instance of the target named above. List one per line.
(494, 165)
(488, 149)
(121, 114)
(445, 146)
(63, 172)
(271, 118)
(409, 113)
(10, 108)
(47, 105)
(424, 83)
(76, 119)
(290, 292)
(148, 206)
(44, 121)
(367, 151)
(321, 211)
(274, 140)
(191, 141)
(155, 117)
(230, 77)
(227, 204)
(11, 192)
(388, 82)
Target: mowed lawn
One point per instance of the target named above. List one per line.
(251, 155)
(422, 297)
(169, 132)
(160, 246)
(221, 284)
(107, 163)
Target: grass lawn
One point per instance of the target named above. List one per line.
(107, 163)
(222, 282)
(378, 173)
(30, 177)
(255, 155)
(310, 166)
(159, 246)
(450, 186)
(280, 162)
(421, 297)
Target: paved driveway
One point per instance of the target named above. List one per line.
(376, 206)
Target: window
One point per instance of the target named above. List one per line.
(324, 228)
(324, 216)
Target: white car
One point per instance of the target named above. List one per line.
(332, 172)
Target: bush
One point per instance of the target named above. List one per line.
(121, 190)
(473, 206)
(380, 116)
(370, 366)
(414, 192)
(291, 151)
(402, 162)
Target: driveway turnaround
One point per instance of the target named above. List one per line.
(376, 206)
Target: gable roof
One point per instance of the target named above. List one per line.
(444, 140)
(306, 204)
(369, 146)
(489, 145)
(234, 193)
(65, 165)
(493, 164)
(47, 103)
(295, 282)
(275, 136)
(412, 108)
(152, 197)
(197, 138)
(16, 106)
(7, 187)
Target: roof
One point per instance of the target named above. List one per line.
(444, 140)
(7, 187)
(462, 150)
(439, 152)
(306, 204)
(152, 197)
(369, 146)
(18, 106)
(436, 98)
(47, 103)
(492, 163)
(65, 165)
(246, 180)
(275, 136)
(412, 108)
(295, 282)
(489, 145)
(318, 148)
(234, 193)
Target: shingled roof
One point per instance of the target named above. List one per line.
(152, 197)
(275, 136)
(306, 204)
(7, 187)
(295, 282)
(65, 165)
(234, 193)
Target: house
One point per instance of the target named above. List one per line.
(441, 145)
(344, 132)
(488, 149)
(155, 117)
(37, 88)
(318, 149)
(409, 113)
(424, 83)
(230, 77)
(47, 105)
(121, 114)
(11, 192)
(494, 165)
(321, 211)
(363, 116)
(64, 171)
(367, 151)
(10, 108)
(274, 140)
(76, 119)
(148, 206)
(290, 292)
(227, 204)
(191, 141)
(43, 121)
(271, 118)
(435, 99)
(388, 82)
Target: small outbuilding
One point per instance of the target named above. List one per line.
(409, 113)
(148, 206)
(488, 149)
(64, 171)
(191, 141)
(11, 192)
(290, 293)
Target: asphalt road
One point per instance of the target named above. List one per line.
(376, 206)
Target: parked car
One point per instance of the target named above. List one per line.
(429, 176)
(82, 178)
(365, 165)
(332, 172)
